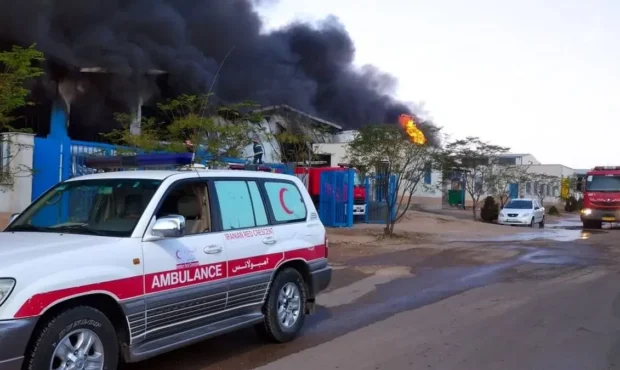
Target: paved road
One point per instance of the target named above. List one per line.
(484, 305)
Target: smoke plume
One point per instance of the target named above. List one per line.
(305, 66)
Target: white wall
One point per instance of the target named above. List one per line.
(337, 151)
(556, 170)
(15, 197)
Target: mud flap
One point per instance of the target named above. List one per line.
(310, 306)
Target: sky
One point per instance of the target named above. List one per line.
(538, 76)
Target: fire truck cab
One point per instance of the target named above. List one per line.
(601, 197)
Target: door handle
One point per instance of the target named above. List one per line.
(213, 249)
(269, 241)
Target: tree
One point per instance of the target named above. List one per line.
(542, 184)
(18, 66)
(479, 161)
(504, 176)
(213, 133)
(385, 150)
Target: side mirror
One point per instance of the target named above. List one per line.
(13, 217)
(536, 208)
(172, 226)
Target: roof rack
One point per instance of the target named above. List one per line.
(120, 162)
(251, 167)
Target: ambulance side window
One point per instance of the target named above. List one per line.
(190, 200)
(240, 204)
(286, 201)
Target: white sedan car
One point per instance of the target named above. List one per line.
(522, 212)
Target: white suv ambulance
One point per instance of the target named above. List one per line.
(123, 266)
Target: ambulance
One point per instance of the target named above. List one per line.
(121, 266)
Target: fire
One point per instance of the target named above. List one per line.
(411, 129)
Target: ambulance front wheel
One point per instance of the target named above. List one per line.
(285, 308)
(79, 338)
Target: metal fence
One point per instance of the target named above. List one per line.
(379, 189)
(336, 198)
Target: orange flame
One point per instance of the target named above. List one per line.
(414, 133)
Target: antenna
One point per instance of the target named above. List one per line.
(217, 73)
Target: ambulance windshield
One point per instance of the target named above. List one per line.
(105, 207)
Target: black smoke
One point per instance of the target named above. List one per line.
(306, 66)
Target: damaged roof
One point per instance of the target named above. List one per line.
(280, 107)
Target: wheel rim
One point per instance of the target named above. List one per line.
(289, 305)
(79, 350)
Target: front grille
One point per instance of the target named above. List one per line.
(513, 214)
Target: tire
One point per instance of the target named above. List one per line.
(532, 222)
(273, 329)
(541, 224)
(70, 325)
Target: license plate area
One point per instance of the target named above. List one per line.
(609, 218)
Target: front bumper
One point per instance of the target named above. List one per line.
(14, 338)
(525, 220)
(358, 209)
(604, 215)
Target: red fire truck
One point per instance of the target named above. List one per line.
(601, 197)
(311, 177)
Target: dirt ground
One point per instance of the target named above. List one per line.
(416, 230)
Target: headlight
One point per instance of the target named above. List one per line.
(525, 215)
(587, 211)
(6, 287)
(501, 214)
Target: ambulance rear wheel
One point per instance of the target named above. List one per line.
(79, 338)
(285, 308)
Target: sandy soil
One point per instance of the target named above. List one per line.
(429, 234)
(420, 227)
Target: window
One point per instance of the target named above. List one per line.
(241, 205)
(603, 183)
(5, 155)
(505, 161)
(190, 200)
(106, 207)
(286, 201)
(427, 173)
(257, 203)
(519, 204)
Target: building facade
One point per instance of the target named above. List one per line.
(427, 194)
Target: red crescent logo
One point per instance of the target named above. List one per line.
(178, 257)
(284, 207)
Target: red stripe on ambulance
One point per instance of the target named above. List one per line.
(135, 287)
